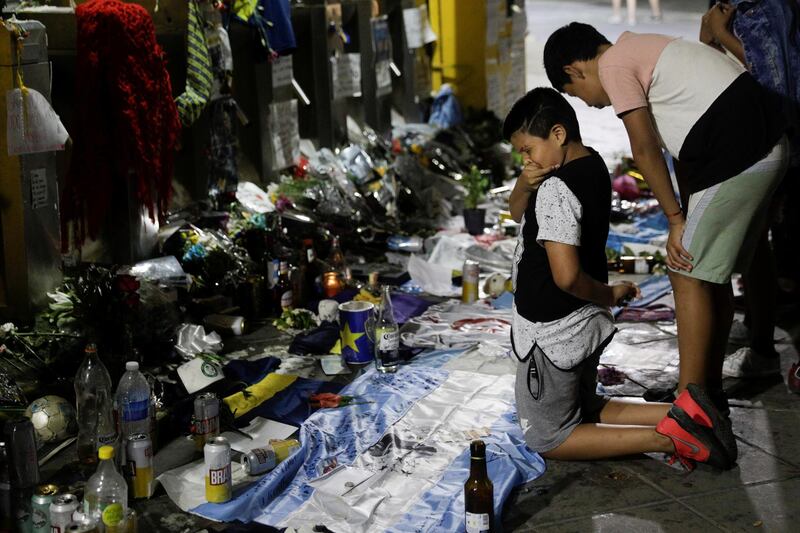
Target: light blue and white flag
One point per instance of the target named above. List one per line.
(400, 462)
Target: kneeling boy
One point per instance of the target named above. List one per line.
(561, 299)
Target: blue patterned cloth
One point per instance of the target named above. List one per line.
(333, 438)
(770, 33)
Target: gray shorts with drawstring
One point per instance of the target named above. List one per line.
(552, 401)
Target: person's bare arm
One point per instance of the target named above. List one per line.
(570, 278)
(650, 161)
(732, 43)
(715, 31)
(532, 176)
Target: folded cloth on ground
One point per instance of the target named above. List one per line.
(251, 372)
(453, 324)
(245, 401)
(288, 404)
(651, 313)
(318, 341)
(407, 306)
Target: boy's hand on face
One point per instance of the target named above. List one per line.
(677, 256)
(533, 175)
(623, 292)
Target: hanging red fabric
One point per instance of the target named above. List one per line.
(126, 124)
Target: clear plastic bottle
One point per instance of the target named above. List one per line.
(133, 403)
(95, 402)
(106, 495)
(387, 336)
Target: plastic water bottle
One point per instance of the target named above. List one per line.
(95, 402)
(387, 336)
(106, 495)
(133, 403)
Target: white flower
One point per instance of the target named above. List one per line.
(7, 328)
(59, 297)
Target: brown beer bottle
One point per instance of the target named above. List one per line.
(478, 492)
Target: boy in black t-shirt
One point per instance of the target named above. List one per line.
(561, 321)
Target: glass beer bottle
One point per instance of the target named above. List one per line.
(387, 336)
(478, 492)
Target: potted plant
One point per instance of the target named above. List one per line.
(475, 183)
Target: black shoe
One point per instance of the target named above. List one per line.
(702, 409)
(696, 441)
(717, 455)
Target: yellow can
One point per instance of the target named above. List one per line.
(140, 465)
(219, 486)
(469, 281)
(284, 448)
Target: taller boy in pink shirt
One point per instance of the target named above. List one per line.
(726, 134)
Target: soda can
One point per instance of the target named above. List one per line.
(217, 453)
(258, 461)
(206, 417)
(140, 465)
(40, 507)
(284, 448)
(23, 462)
(61, 510)
(469, 281)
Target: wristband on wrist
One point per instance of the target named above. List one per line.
(676, 213)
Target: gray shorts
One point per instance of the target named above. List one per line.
(552, 401)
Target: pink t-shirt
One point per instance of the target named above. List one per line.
(626, 69)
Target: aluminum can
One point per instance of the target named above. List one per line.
(140, 465)
(284, 448)
(469, 281)
(206, 418)
(61, 510)
(217, 453)
(258, 461)
(23, 462)
(40, 507)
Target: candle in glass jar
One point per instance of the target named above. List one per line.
(331, 284)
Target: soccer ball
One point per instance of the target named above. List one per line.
(53, 419)
(495, 285)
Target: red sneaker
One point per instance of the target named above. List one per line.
(696, 403)
(692, 440)
(794, 378)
